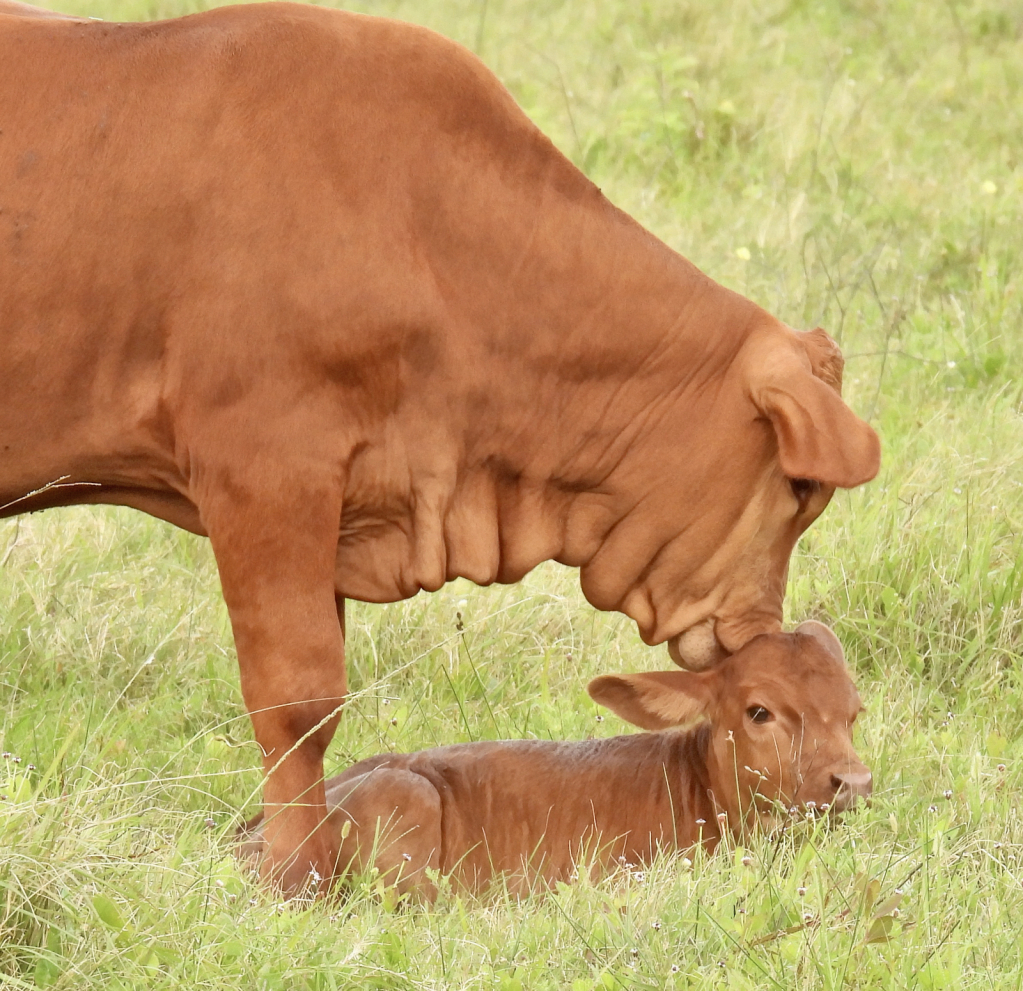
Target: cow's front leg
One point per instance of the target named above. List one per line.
(275, 551)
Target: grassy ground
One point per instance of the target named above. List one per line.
(844, 162)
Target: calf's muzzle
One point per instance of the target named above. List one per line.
(850, 787)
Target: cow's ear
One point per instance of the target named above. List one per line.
(658, 700)
(825, 356)
(825, 636)
(819, 437)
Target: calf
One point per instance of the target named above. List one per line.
(769, 727)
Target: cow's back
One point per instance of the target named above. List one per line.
(289, 209)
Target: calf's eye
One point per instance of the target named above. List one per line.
(759, 714)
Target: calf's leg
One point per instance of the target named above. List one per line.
(274, 531)
(389, 819)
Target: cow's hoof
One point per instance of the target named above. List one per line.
(304, 875)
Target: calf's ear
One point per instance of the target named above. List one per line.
(819, 437)
(657, 700)
(825, 636)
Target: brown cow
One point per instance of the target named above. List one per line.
(774, 730)
(311, 284)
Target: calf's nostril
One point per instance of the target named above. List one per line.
(851, 785)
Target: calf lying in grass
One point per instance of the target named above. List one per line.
(770, 728)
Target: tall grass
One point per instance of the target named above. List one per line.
(845, 163)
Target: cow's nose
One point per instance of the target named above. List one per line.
(849, 787)
(698, 648)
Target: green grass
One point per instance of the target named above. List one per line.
(845, 162)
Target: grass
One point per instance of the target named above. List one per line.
(845, 163)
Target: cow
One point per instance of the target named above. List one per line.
(770, 735)
(310, 283)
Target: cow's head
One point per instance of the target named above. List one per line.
(781, 714)
(736, 466)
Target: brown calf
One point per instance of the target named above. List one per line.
(773, 728)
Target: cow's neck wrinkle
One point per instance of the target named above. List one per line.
(568, 345)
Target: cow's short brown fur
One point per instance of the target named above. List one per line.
(536, 809)
(311, 284)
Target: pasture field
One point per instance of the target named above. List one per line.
(849, 163)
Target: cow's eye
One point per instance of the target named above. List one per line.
(759, 714)
(803, 488)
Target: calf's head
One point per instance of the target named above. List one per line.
(780, 715)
